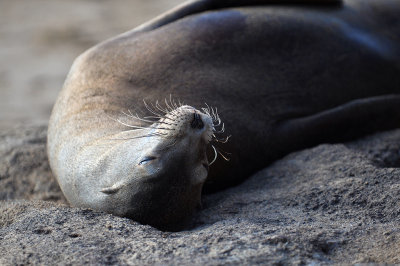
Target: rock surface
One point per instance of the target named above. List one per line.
(335, 203)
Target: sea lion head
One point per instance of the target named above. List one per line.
(170, 168)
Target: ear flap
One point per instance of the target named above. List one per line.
(113, 189)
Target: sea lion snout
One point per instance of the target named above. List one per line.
(189, 121)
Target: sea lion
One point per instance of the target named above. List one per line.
(283, 77)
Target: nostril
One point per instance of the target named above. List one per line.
(197, 122)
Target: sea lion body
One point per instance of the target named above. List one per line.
(283, 77)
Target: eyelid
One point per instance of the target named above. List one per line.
(146, 159)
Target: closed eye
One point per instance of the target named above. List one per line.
(146, 159)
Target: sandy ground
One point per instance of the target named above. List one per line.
(331, 204)
(39, 40)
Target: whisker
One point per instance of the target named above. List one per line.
(215, 155)
(162, 128)
(212, 113)
(130, 130)
(138, 137)
(208, 109)
(174, 103)
(169, 108)
(159, 107)
(140, 127)
(162, 118)
(137, 117)
(125, 124)
(216, 117)
(224, 156)
(218, 122)
(216, 113)
(156, 117)
(171, 102)
(151, 110)
(165, 123)
(222, 130)
(155, 108)
(128, 115)
(131, 126)
(221, 140)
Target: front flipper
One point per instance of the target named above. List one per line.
(353, 119)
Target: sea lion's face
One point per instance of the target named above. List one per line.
(171, 167)
(181, 141)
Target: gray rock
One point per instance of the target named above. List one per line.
(330, 204)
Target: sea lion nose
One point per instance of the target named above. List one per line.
(197, 122)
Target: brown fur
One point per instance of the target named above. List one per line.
(283, 78)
